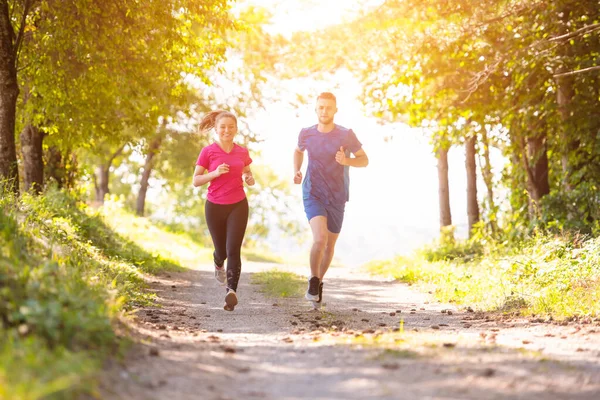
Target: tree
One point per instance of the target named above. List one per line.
(90, 69)
(471, 168)
(523, 68)
(10, 42)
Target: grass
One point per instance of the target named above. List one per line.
(277, 283)
(261, 256)
(67, 275)
(547, 276)
(180, 249)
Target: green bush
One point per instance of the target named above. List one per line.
(449, 248)
(552, 275)
(64, 278)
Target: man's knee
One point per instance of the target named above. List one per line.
(320, 242)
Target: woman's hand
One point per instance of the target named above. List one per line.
(248, 178)
(221, 169)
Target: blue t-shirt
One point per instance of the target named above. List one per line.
(325, 179)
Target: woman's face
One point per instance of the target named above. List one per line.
(226, 129)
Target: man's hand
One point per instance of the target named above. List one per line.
(222, 169)
(340, 156)
(298, 177)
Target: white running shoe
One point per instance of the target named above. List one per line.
(231, 300)
(220, 274)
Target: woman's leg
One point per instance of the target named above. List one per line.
(216, 219)
(236, 228)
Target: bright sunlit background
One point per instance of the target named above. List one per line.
(393, 206)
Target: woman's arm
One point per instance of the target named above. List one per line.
(202, 179)
(247, 176)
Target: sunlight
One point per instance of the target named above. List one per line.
(309, 15)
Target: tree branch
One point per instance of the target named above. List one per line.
(576, 72)
(567, 36)
(19, 39)
(115, 155)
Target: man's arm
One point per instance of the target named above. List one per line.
(360, 158)
(298, 159)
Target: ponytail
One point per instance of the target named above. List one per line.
(210, 120)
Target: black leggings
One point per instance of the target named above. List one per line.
(227, 226)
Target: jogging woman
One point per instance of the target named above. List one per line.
(226, 166)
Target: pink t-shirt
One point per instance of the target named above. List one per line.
(227, 188)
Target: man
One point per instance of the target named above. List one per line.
(326, 186)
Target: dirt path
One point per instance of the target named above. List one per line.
(280, 349)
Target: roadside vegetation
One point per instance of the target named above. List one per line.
(70, 275)
(65, 279)
(278, 283)
(548, 275)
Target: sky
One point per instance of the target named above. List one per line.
(393, 207)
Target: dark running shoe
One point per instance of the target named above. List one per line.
(312, 293)
(320, 292)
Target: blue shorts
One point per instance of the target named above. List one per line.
(333, 212)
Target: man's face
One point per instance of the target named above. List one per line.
(325, 109)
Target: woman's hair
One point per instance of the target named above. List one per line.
(210, 120)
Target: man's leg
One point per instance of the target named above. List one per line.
(318, 225)
(328, 254)
(335, 219)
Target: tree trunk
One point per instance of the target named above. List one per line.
(102, 176)
(148, 165)
(9, 91)
(537, 153)
(101, 182)
(33, 158)
(535, 162)
(472, 204)
(444, 188)
(488, 179)
(55, 168)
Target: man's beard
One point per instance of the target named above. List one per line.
(325, 120)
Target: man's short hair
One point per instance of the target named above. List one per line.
(327, 96)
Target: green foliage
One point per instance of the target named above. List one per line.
(520, 76)
(91, 68)
(30, 370)
(278, 283)
(557, 276)
(575, 210)
(449, 248)
(65, 277)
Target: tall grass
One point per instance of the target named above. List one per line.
(557, 276)
(65, 276)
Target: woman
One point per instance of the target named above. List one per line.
(226, 209)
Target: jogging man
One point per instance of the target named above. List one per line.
(325, 188)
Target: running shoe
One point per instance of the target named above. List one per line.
(231, 300)
(312, 293)
(220, 274)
